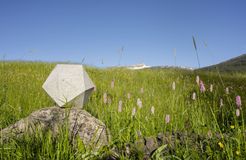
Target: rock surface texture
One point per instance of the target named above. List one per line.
(80, 124)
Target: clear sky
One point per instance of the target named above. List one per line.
(148, 31)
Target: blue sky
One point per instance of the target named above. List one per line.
(96, 30)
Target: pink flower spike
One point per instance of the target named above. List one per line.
(167, 119)
(238, 101)
(202, 87)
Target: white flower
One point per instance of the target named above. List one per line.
(128, 150)
(194, 96)
(173, 86)
(139, 103)
(152, 110)
(221, 102)
(237, 112)
(197, 80)
(211, 88)
(227, 90)
(120, 106)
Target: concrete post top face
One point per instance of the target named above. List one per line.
(67, 82)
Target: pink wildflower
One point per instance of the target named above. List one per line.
(202, 87)
(167, 119)
(238, 101)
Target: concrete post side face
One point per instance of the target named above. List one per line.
(82, 99)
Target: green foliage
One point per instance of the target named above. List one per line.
(21, 93)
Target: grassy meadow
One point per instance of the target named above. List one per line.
(130, 103)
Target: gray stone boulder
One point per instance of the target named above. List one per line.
(79, 123)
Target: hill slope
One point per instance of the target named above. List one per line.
(234, 64)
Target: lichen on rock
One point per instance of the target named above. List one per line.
(80, 124)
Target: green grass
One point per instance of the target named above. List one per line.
(21, 93)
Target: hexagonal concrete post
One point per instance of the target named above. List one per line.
(69, 83)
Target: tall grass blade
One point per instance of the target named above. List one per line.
(194, 43)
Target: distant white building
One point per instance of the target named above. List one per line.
(138, 66)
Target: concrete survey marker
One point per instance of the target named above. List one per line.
(69, 83)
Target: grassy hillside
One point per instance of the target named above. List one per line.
(234, 64)
(223, 132)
